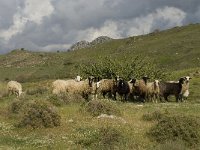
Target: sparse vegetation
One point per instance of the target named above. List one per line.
(39, 114)
(136, 67)
(66, 98)
(38, 90)
(99, 138)
(98, 107)
(154, 116)
(184, 128)
(16, 106)
(40, 120)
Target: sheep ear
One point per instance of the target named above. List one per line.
(133, 80)
(145, 78)
(181, 80)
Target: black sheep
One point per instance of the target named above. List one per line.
(167, 89)
(122, 88)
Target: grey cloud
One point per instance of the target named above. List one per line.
(69, 21)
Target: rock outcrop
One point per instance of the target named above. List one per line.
(85, 44)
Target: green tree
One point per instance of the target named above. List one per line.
(107, 67)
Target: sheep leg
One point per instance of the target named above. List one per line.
(142, 97)
(177, 98)
(181, 97)
(109, 94)
(156, 98)
(104, 95)
(114, 94)
(166, 97)
(125, 97)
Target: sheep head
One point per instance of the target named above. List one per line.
(145, 78)
(182, 80)
(156, 82)
(133, 81)
(90, 79)
(187, 79)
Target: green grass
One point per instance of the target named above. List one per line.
(79, 129)
(173, 49)
(78, 123)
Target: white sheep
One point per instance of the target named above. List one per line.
(105, 86)
(14, 87)
(71, 86)
(185, 88)
(153, 90)
(62, 86)
(78, 78)
(140, 87)
(84, 88)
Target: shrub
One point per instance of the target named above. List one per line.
(3, 89)
(99, 138)
(39, 90)
(39, 114)
(174, 128)
(16, 106)
(22, 78)
(86, 136)
(136, 67)
(66, 98)
(109, 137)
(172, 145)
(155, 116)
(56, 100)
(98, 107)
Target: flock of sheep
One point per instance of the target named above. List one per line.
(133, 89)
(137, 89)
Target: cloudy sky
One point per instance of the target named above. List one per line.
(50, 25)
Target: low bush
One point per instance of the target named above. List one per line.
(155, 116)
(109, 67)
(34, 91)
(3, 90)
(172, 145)
(99, 138)
(184, 128)
(38, 114)
(16, 106)
(59, 100)
(98, 107)
(110, 137)
(56, 100)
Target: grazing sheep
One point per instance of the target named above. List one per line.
(106, 86)
(156, 89)
(71, 86)
(172, 81)
(185, 94)
(185, 88)
(140, 88)
(14, 87)
(153, 90)
(83, 88)
(122, 88)
(167, 89)
(61, 86)
(132, 94)
(78, 78)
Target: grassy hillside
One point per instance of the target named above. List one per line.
(138, 126)
(173, 49)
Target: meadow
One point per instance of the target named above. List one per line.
(78, 123)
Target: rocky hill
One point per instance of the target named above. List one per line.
(173, 49)
(85, 44)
